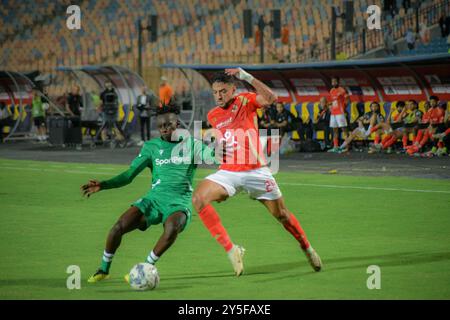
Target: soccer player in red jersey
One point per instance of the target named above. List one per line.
(436, 116)
(233, 121)
(339, 99)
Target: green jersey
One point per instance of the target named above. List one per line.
(173, 165)
(37, 109)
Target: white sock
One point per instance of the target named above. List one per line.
(310, 249)
(152, 258)
(343, 145)
(107, 257)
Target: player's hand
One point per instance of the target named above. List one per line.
(233, 72)
(240, 74)
(91, 187)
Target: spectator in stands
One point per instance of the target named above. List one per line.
(410, 39)
(406, 4)
(365, 123)
(322, 121)
(145, 103)
(5, 118)
(165, 92)
(74, 105)
(38, 114)
(389, 42)
(424, 34)
(390, 6)
(339, 101)
(282, 119)
(285, 35)
(444, 25)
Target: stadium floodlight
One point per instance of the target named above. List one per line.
(275, 24)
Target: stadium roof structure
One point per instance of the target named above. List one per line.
(319, 65)
(128, 84)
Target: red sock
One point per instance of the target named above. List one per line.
(385, 139)
(212, 222)
(374, 128)
(405, 141)
(447, 132)
(377, 139)
(440, 144)
(336, 142)
(389, 142)
(293, 226)
(419, 136)
(426, 136)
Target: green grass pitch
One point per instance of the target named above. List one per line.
(353, 222)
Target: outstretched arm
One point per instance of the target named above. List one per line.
(138, 164)
(265, 96)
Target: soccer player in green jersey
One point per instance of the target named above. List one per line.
(169, 200)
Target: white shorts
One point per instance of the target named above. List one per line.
(338, 121)
(259, 183)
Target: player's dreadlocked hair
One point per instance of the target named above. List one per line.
(222, 77)
(167, 108)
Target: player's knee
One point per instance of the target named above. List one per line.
(282, 215)
(198, 201)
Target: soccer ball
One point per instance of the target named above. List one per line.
(144, 276)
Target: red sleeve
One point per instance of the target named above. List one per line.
(249, 101)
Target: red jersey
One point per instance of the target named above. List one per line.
(437, 115)
(426, 116)
(338, 97)
(237, 127)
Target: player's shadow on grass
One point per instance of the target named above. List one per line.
(127, 289)
(50, 283)
(273, 268)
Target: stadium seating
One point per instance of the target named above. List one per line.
(34, 36)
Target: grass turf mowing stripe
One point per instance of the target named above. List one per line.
(34, 168)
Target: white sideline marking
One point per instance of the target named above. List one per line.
(362, 187)
(283, 183)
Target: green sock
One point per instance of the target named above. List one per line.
(106, 261)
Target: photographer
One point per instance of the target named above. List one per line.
(110, 111)
(145, 103)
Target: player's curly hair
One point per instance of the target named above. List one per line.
(167, 108)
(222, 77)
(400, 104)
(434, 98)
